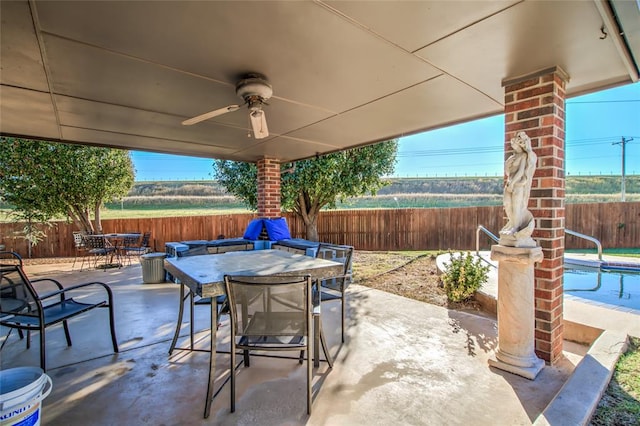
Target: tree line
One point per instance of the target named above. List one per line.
(42, 180)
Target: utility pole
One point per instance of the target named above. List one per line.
(623, 142)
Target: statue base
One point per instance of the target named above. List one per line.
(526, 372)
(511, 241)
(516, 316)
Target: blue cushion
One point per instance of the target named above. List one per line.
(277, 229)
(253, 229)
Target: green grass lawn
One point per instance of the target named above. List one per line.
(620, 404)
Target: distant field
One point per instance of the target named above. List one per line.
(167, 212)
(194, 198)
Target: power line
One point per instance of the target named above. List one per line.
(604, 102)
(497, 149)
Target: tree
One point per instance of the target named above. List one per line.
(309, 185)
(43, 180)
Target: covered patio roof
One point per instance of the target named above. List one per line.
(344, 74)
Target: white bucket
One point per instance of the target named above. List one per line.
(21, 391)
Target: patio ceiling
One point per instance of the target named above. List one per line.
(126, 74)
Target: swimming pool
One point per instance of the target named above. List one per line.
(617, 287)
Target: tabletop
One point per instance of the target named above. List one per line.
(117, 235)
(204, 274)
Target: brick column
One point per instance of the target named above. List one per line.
(535, 104)
(268, 188)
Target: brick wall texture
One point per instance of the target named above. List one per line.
(268, 188)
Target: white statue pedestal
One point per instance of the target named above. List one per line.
(516, 316)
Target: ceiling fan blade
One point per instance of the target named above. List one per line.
(259, 124)
(210, 114)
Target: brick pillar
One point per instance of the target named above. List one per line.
(535, 104)
(268, 188)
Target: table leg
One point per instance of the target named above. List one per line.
(179, 322)
(212, 359)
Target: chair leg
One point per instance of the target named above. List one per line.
(232, 372)
(344, 312)
(84, 257)
(309, 373)
(66, 332)
(112, 326)
(317, 334)
(43, 355)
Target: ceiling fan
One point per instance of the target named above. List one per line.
(255, 90)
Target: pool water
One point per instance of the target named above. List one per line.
(613, 287)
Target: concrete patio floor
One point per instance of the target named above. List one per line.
(404, 362)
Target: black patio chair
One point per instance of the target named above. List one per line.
(98, 246)
(24, 308)
(130, 246)
(138, 249)
(81, 248)
(335, 288)
(269, 314)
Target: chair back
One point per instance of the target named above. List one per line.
(131, 241)
(269, 307)
(18, 298)
(78, 239)
(93, 242)
(146, 237)
(337, 253)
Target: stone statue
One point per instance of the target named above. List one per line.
(519, 169)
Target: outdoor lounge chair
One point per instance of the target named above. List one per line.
(24, 308)
(269, 314)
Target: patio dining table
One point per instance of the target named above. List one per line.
(204, 276)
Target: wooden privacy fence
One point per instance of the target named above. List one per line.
(614, 224)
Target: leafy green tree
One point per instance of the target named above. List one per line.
(310, 185)
(43, 180)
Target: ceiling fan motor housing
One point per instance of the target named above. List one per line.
(254, 90)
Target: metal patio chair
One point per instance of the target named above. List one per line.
(269, 314)
(98, 246)
(81, 248)
(141, 248)
(130, 246)
(24, 308)
(335, 288)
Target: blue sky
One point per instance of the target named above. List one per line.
(594, 123)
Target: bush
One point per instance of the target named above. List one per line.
(464, 276)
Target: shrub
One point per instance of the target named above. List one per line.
(464, 276)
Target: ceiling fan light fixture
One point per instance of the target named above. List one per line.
(254, 87)
(259, 123)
